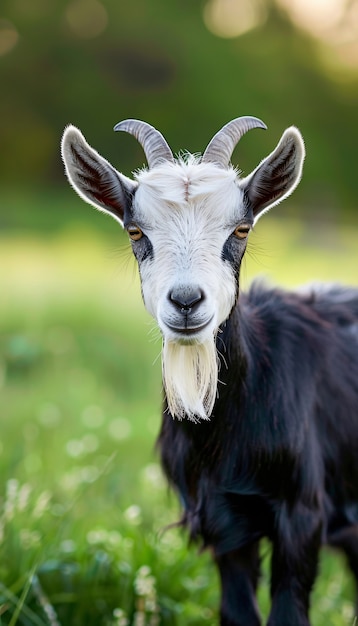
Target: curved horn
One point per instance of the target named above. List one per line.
(152, 141)
(222, 145)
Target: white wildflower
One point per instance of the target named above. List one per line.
(12, 487)
(97, 536)
(146, 604)
(42, 504)
(74, 448)
(139, 618)
(68, 546)
(23, 497)
(120, 618)
(133, 514)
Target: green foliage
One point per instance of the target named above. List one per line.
(157, 61)
(84, 509)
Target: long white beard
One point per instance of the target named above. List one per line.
(190, 377)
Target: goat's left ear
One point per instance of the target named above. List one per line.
(277, 175)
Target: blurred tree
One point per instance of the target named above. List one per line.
(93, 63)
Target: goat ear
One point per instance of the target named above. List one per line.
(277, 175)
(94, 178)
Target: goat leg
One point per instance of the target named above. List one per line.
(239, 573)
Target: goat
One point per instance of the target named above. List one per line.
(264, 385)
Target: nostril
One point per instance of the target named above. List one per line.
(186, 299)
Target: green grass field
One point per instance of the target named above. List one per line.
(83, 501)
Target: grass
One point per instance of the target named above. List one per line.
(83, 502)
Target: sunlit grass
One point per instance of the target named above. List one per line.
(83, 501)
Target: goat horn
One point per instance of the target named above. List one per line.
(152, 141)
(222, 145)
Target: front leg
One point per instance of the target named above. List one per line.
(294, 565)
(239, 571)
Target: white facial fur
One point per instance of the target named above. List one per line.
(187, 224)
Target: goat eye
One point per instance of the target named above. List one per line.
(134, 232)
(242, 231)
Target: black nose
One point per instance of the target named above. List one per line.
(186, 298)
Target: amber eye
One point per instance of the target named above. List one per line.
(134, 232)
(242, 231)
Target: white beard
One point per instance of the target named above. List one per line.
(190, 377)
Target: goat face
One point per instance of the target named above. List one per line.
(188, 222)
(189, 244)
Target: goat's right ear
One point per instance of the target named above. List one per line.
(94, 178)
(277, 175)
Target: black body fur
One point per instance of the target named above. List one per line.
(279, 456)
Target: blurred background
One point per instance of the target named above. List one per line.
(81, 494)
(187, 68)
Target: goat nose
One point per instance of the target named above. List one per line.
(186, 299)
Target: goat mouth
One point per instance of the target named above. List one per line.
(188, 331)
